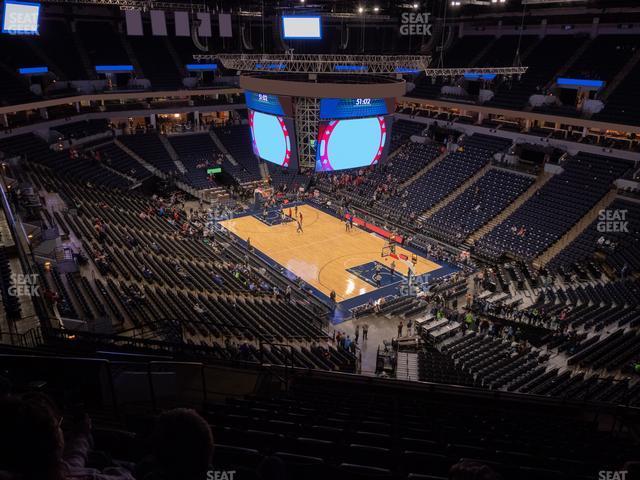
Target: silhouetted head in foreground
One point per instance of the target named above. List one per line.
(182, 445)
(31, 441)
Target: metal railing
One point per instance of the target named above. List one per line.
(155, 385)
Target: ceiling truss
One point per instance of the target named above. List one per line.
(143, 5)
(317, 63)
(346, 64)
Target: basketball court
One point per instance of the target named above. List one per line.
(326, 255)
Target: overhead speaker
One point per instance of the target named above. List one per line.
(344, 37)
(245, 34)
(201, 44)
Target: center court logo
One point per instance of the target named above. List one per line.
(613, 221)
(415, 24)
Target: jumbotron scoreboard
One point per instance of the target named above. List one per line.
(351, 132)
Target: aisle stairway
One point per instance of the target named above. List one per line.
(222, 148)
(621, 76)
(457, 192)
(407, 366)
(428, 167)
(576, 230)
(139, 159)
(569, 63)
(84, 57)
(173, 154)
(497, 220)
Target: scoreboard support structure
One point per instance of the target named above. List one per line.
(305, 79)
(302, 96)
(307, 118)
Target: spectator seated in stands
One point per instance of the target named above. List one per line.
(34, 447)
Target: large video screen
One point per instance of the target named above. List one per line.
(300, 27)
(352, 143)
(273, 139)
(20, 18)
(335, 108)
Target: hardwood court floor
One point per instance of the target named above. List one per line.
(323, 253)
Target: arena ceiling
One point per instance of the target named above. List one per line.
(394, 7)
(382, 8)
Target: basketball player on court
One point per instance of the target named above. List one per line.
(299, 228)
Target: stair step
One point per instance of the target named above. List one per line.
(458, 191)
(502, 216)
(575, 231)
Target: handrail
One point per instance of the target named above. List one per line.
(142, 95)
(24, 259)
(395, 386)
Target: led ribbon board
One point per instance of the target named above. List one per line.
(114, 68)
(33, 70)
(201, 67)
(579, 82)
(262, 102)
(336, 108)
